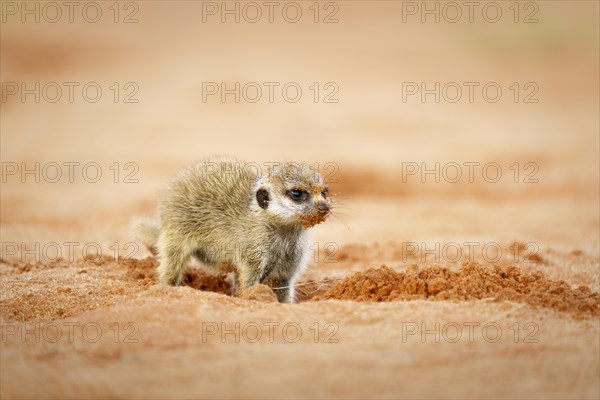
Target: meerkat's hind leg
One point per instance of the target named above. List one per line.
(248, 276)
(173, 259)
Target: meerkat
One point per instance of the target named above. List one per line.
(230, 215)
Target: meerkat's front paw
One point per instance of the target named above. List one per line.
(284, 291)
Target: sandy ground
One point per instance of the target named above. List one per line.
(76, 325)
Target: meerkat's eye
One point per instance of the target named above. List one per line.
(298, 194)
(325, 193)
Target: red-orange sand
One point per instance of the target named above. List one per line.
(85, 329)
(117, 327)
(471, 282)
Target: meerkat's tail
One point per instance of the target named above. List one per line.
(147, 230)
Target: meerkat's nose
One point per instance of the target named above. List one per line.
(323, 207)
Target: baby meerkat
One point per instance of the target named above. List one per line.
(228, 214)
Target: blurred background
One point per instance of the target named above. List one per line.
(435, 122)
(143, 89)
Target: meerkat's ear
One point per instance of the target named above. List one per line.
(263, 198)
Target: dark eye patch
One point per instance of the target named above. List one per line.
(262, 197)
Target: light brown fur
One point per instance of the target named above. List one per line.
(224, 212)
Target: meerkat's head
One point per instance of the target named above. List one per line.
(293, 194)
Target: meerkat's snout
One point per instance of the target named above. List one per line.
(322, 203)
(323, 208)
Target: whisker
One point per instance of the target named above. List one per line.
(325, 282)
(342, 212)
(341, 221)
(342, 205)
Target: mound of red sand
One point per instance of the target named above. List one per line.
(470, 283)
